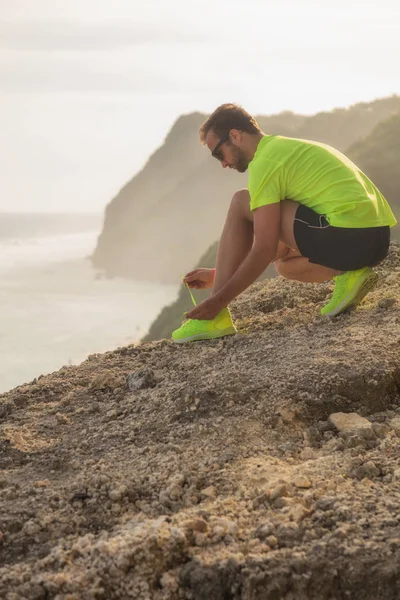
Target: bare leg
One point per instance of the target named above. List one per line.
(294, 266)
(237, 239)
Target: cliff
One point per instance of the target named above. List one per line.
(166, 217)
(218, 469)
(378, 155)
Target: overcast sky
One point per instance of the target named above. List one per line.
(89, 88)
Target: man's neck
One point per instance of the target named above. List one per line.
(252, 142)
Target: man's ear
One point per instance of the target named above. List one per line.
(236, 135)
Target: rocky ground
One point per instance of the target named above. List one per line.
(214, 470)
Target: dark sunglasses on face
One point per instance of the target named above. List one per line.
(216, 153)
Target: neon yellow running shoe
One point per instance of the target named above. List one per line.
(199, 329)
(350, 289)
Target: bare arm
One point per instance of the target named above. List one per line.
(266, 222)
(266, 237)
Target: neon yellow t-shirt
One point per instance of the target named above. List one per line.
(318, 176)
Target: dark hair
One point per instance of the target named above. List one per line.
(227, 117)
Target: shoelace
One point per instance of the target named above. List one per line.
(191, 295)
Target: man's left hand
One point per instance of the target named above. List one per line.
(206, 310)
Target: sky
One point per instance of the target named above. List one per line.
(90, 88)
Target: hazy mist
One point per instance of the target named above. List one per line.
(89, 89)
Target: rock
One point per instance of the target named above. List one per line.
(41, 483)
(209, 492)
(198, 525)
(302, 482)
(31, 528)
(282, 502)
(368, 469)
(287, 533)
(288, 416)
(386, 303)
(350, 423)
(323, 426)
(115, 495)
(227, 526)
(264, 530)
(326, 503)
(279, 491)
(105, 379)
(168, 581)
(272, 541)
(141, 380)
(175, 492)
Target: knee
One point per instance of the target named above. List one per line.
(241, 203)
(280, 267)
(286, 268)
(241, 198)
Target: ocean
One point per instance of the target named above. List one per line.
(55, 308)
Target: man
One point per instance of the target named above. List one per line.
(308, 209)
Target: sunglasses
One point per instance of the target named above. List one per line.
(216, 153)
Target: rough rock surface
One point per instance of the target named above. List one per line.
(211, 470)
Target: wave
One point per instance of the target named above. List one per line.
(36, 251)
(14, 227)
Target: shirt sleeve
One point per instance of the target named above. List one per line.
(265, 186)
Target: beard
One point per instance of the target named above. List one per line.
(240, 162)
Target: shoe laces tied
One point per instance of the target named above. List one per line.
(185, 320)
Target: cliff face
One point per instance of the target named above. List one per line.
(166, 217)
(217, 469)
(159, 222)
(378, 155)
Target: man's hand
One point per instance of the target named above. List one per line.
(206, 310)
(200, 279)
(266, 227)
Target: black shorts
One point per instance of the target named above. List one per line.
(339, 248)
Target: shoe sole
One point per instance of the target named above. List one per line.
(206, 336)
(366, 286)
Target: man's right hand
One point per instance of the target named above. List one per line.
(200, 279)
